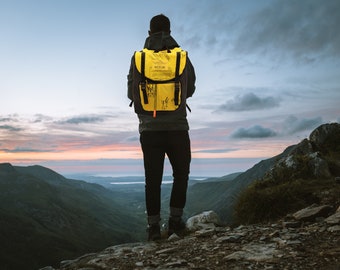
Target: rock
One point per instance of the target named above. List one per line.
(229, 238)
(312, 212)
(173, 237)
(291, 224)
(289, 162)
(337, 179)
(205, 232)
(166, 250)
(320, 136)
(176, 264)
(308, 159)
(204, 220)
(303, 148)
(260, 246)
(139, 264)
(335, 228)
(319, 166)
(255, 252)
(334, 219)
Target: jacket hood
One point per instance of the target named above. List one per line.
(160, 41)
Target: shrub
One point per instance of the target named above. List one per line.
(266, 200)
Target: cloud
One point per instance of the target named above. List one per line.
(42, 118)
(215, 151)
(9, 118)
(42, 133)
(249, 102)
(6, 119)
(302, 29)
(253, 132)
(132, 139)
(25, 150)
(82, 120)
(293, 125)
(10, 128)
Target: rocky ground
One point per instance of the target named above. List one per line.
(309, 239)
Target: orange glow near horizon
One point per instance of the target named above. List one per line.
(124, 159)
(244, 150)
(66, 152)
(91, 153)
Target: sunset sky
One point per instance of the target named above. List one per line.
(268, 73)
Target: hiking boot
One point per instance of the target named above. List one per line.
(176, 226)
(154, 232)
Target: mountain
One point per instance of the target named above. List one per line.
(222, 195)
(308, 175)
(305, 177)
(320, 154)
(46, 217)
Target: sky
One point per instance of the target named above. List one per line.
(268, 73)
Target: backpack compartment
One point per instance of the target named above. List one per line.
(160, 97)
(160, 87)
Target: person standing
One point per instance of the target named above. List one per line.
(163, 128)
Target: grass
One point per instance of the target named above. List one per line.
(286, 190)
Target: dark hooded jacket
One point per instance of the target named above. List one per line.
(171, 121)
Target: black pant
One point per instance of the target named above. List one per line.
(176, 145)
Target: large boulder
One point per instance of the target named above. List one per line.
(312, 212)
(205, 220)
(326, 136)
(335, 218)
(310, 158)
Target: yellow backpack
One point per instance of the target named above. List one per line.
(160, 86)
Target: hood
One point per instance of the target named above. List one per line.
(160, 41)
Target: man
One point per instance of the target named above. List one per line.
(163, 132)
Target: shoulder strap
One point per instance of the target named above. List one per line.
(178, 61)
(177, 84)
(143, 81)
(142, 64)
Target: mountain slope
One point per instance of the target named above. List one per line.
(319, 154)
(221, 196)
(46, 217)
(298, 180)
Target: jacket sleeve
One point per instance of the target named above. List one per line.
(130, 79)
(191, 78)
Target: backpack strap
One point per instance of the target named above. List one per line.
(143, 82)
(177, 83)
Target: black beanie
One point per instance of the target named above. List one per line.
(159, 23)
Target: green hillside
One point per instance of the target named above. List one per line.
(46, 218)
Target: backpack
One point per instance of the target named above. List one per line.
(160, 87)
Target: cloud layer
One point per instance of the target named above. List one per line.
(292, 124)
(302, 31)
(267, 75)
(249, 102)
(254, 132)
